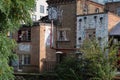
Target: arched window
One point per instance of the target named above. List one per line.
(101, 20)
(97, 10)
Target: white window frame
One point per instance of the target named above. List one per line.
(34, 17)
(42, 9)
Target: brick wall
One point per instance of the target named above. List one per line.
(91, 7)
(112, 7)
(69, 23)
(39, 51)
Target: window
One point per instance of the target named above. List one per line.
(34, 9)
(118, 11)
(85, 19)
(24, 59)
(41, 9)
(80, 20)
(90, 33)
(47, 10)
(97, 10)
(24, 35)
(60, 56)
(85, 9)
(62, 35)
(101, 20)
(95, 19)
(34, 17)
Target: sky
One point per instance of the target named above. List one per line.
(103, 1)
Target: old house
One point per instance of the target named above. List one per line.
(65, 24)
(113, 7)
(44, 44)
(34, 51)
(95, 26)
(66, 20)
(85, 7)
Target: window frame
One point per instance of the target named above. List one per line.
(62, 35)
(118, 11)
(97, 10)
(89, 34)
(42, 9)
(34, 17)
(24, 37)
(24, 59)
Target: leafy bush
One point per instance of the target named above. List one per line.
(97, 63)
(12, 14)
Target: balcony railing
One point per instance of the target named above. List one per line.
(49, 66)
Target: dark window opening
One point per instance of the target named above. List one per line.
(97, 10)
(90, 33)
(101, 20)
(85, 19)
(95, 18)
(24, 35)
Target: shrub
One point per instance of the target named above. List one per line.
(97, 63)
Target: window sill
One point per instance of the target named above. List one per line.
(26, 64)
(23, 41)
(63, 40)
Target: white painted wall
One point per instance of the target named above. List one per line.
(100, 28)
(37, 12)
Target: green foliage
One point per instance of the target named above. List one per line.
(68, 69)
(101, 60)
(12, 14)
(6, 46)
(97, 63)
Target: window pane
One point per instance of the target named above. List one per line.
(26, 59)
(90, 33)
(41, 9)
(62, 35)
(118, 11)
(24, 35)
(34, 17)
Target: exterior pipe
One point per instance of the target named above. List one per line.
(51, 34)
(51, 40)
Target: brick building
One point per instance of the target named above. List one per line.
(65, 24)
(34, 52)
(88, 7)
(72, 19)
(94, 21)
(66, 21)
(113, 7)
(97, 26)
(100, 24)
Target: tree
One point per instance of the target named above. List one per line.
(96, 63)
(100, 61)
(13, 13)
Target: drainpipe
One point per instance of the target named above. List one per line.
(51, 35)
(51, 40)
